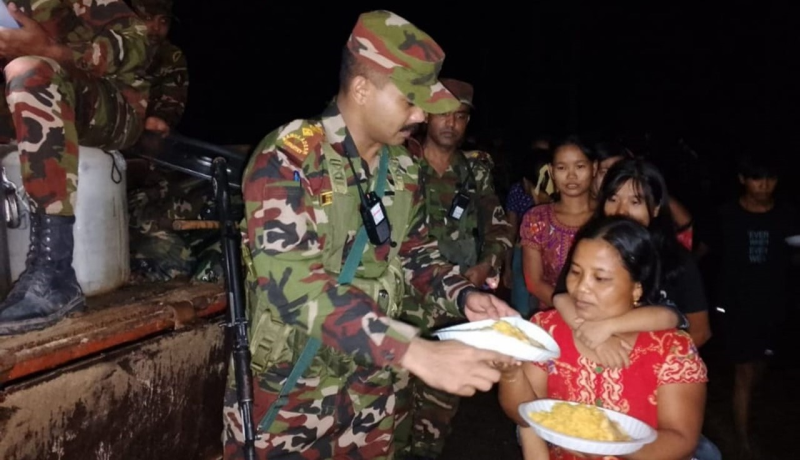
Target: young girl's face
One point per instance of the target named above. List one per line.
(571, 171)
(629, 201)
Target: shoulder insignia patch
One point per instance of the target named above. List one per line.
(302, 140)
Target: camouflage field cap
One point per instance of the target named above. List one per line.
(393, 46)
(153, 7)
(462, 90)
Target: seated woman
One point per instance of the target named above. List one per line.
(613, 267)
(636, 189)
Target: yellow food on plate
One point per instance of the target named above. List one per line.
(506, 328)
(580, 421)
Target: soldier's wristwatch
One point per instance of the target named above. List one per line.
(461, 300)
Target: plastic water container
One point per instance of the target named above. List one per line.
(101, 258)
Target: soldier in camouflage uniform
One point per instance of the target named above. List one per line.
(168, 73)
(302, 222)
(74, 75)
(476, 239)
(159, 253)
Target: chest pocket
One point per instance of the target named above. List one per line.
(339, 220)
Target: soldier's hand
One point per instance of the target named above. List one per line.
(29, 39)
(477, 274)
(455, 367)
(157, 125)
(481, 305)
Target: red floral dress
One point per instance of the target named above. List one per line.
(658, 358)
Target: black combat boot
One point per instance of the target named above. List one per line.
(47, 290)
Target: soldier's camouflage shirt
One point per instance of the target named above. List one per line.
(283, 178)
(169, 84)
(440, 192)
(107, 40)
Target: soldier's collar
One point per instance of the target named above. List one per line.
(335, 129)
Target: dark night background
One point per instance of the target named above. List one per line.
(722, 76)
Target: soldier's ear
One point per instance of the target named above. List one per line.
(359, 89)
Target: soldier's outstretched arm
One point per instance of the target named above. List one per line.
(287, 258)
(455, 367)
(119, 44)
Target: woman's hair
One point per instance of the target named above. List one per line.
(635, 246)
(530, 165)
(605, 150)
(575, 141)
(649, 183)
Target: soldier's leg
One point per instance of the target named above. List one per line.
(372, 402)
(50, 107)
(324, 417)
(305, 427)
(432, 418)
(402, 428)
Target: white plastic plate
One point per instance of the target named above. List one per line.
(640, 432)
(478, 335)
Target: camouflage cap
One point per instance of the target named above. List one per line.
(462, 90)
(153, 7)
(393, 46)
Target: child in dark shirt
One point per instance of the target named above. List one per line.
(750, 241)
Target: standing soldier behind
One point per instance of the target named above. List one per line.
(324, 290)
(74, 75)
(466, 218)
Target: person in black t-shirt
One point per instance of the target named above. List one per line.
(749, 239)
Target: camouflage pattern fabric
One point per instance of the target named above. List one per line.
(159, 253)
(391, 45)
(99, 103)
(431, 410)
(344, 404)
(169, 78)
(428, 417)
(485, 207)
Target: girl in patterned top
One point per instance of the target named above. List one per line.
(546, 231)
(614, 266)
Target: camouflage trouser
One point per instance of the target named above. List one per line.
(54, 110)
(424, 431)
(344, 417)
(429, 412)
(159, 253)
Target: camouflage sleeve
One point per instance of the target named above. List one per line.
(119, 38)
(432, 278)
(169, 92)
(497, 231)
(287, 257)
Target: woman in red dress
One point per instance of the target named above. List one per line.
(614, 266)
